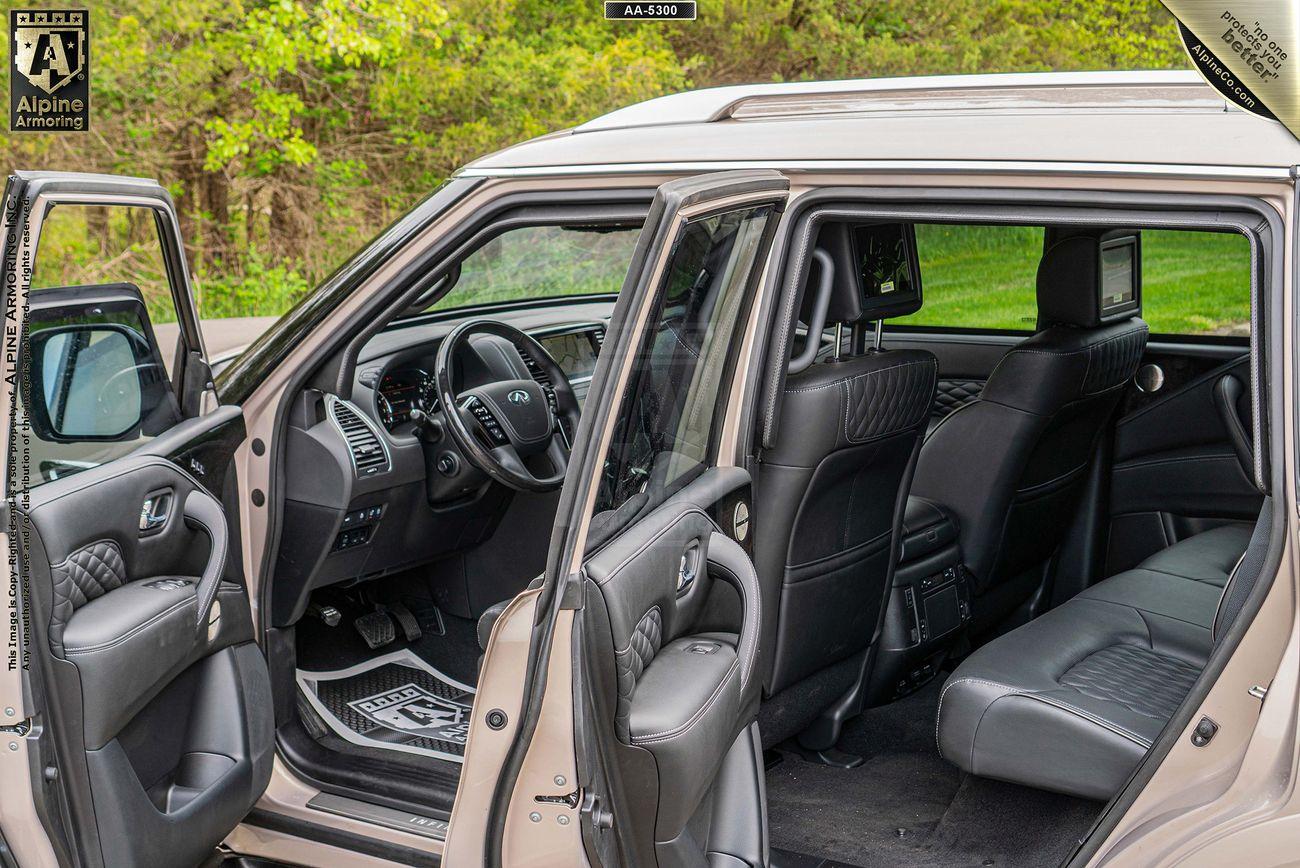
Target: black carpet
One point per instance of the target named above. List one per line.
(907, 807)
(455, 652)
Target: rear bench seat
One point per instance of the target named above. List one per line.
(1071, 701)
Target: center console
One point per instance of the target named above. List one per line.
(928, 606)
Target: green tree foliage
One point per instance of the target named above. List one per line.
(290, 131)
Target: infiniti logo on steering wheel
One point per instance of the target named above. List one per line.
(519, 396)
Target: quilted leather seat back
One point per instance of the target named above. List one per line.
(831, 502)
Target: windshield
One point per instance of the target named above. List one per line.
(536, 262)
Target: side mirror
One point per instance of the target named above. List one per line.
(91, 382)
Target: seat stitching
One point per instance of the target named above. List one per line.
(692, 509)
(1040, 697)
(951, 684)
(839, 554)
(1089, 716)
(1063, 353)
(654, 608)
(700, 714)
(821, 388)
(1142, 611)
(1176, 575)
(139, 628)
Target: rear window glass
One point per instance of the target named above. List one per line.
(982, 277)
(977, 277)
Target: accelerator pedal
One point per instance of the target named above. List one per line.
(406, 620)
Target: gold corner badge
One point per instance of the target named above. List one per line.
(49, 71)
(1247, 51)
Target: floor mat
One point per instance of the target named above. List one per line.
(397, 702)
(906, 806)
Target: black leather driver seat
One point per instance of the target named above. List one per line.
(1011, 464)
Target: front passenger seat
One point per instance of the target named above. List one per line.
(1012, 463)
(830, 505)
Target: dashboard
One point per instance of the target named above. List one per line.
(403, 388)
(373, 487)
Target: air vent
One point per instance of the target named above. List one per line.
(369, 455)
(535, 370)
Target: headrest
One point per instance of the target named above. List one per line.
(846, 302)
(1071, 286)
(876, 276)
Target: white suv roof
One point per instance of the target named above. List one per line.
(1155, 118)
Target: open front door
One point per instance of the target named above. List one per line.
(141, 712)
(615, 718)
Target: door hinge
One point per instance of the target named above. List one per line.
(599, 818)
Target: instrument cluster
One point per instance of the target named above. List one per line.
(403, 391)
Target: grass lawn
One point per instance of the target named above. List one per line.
(983, 277)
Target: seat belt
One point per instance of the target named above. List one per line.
(1246, 575)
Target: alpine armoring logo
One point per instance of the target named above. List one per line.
(49, 72)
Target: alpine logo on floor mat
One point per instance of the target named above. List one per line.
(396, 702)
(413, 709)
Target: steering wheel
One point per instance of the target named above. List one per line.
(500, 424)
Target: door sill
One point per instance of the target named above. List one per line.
(379, 815)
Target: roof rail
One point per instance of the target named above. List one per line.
(1174, 88)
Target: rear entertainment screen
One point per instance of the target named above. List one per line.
(1119, 275)
(886, 273)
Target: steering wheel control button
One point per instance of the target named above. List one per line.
(489, 422)
(448, 464)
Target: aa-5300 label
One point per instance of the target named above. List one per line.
(619, 10)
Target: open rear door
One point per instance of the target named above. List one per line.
(141, 716)
(615, 717)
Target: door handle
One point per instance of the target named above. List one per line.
(204, 513)
(155, 511)
(688, 569)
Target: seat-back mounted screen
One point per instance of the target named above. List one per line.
(889, 279)
(1120, 273)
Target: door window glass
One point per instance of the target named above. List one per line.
(1194, 284)
(977, 277)
(102, 340)
(673, 402)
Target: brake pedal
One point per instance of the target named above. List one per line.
(377, 628)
